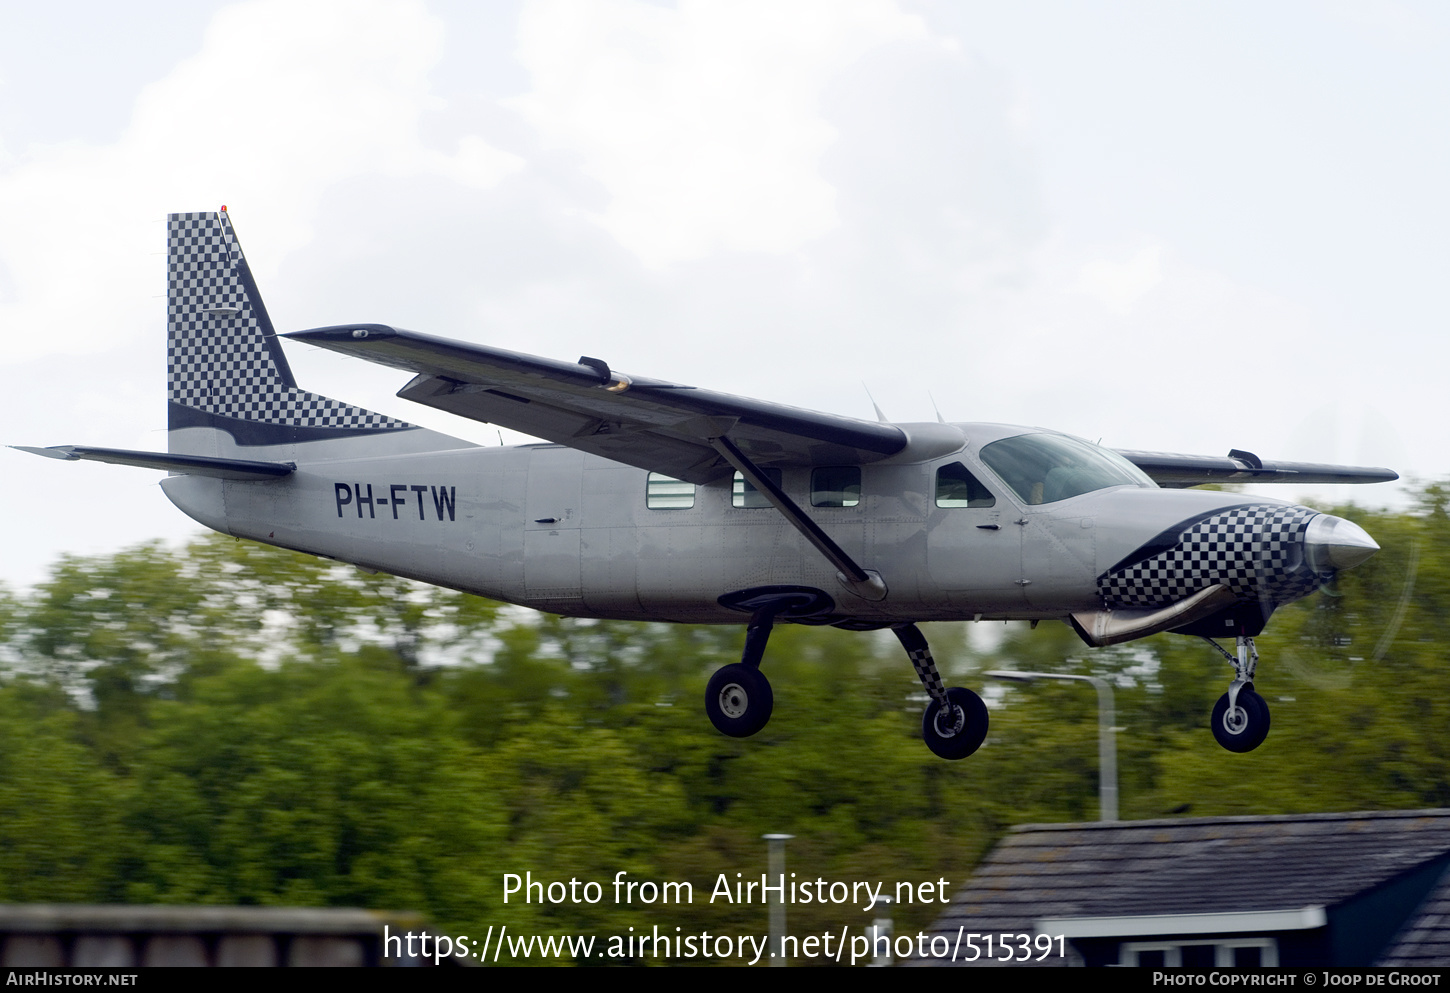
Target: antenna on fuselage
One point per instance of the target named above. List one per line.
(939, 418)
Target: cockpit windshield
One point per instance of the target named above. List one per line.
(1045, 468)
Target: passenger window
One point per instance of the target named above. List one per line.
(742, 494)
(957, 487)
(664, 493)
(836, 486)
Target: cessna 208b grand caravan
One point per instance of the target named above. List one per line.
(660, 502)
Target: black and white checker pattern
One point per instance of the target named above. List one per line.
(926, 671)
(1256, 551)
(218, 359)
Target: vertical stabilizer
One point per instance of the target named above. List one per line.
(228, 384)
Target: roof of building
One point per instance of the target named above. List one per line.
(154, 918)
(1425, 940)
(1198, 866)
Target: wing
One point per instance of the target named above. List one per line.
(648, 423)
(1176, 471)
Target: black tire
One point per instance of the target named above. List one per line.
(1245, 730)
(956, 731)
(738, 700)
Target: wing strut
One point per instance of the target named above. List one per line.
(864, 583)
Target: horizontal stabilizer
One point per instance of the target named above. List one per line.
(1176, 471)
(195, 465)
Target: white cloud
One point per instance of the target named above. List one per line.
(860, 197)
(284, 100)
(701, 122)
(1120, 285)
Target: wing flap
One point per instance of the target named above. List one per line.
(656, 425)
(694, 462)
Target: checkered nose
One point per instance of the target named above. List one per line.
(1259, 552)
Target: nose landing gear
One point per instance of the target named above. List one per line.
(1240, 720)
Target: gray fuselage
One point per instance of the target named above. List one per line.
(555, 529)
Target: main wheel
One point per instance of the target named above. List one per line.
(738, 700)
(958, 729)
(1245, 727)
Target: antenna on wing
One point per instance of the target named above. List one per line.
(879, 415)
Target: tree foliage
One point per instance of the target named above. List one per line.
(228, 723)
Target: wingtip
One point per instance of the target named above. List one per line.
(62, 452)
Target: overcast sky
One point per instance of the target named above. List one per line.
(1183, 227)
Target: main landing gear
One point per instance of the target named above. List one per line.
(738, 699)
(1240, 720)
(955, 723)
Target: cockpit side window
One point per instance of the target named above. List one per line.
(1045, 468)
(957, 487)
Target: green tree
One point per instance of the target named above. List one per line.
(229, 723)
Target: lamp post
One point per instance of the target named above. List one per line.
(879, 933)
(776, 861)
(1107, 743)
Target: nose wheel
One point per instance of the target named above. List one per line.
(1240, 725)
(1240, 720)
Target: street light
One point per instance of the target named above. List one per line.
(776, 858)
(879, 932)
(1107, 743)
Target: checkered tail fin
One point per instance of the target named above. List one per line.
(228, 383)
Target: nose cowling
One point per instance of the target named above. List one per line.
(1265, 554)
(1332, 543)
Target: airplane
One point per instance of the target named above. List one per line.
(654, 501)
